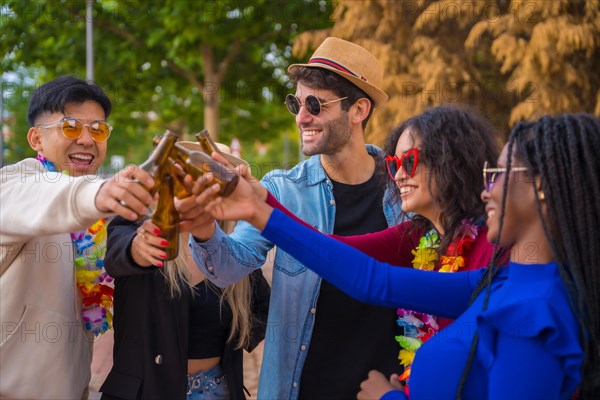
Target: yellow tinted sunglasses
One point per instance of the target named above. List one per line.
(72, 129)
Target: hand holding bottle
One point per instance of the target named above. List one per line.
(123, 195)
(241, 204)
(192, 215)
(148, 247)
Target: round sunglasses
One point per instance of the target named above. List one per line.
(408, 161)
(490, 175)
(312, 104)
(72, 129)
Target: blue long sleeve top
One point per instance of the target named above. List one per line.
(528, 336)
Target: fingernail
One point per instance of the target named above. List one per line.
(160, 264)
(157, 231)
(163, 255)
(164, 243)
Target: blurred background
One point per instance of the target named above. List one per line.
(221, 65)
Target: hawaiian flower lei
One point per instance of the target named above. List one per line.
(419, 327)
(93, 282)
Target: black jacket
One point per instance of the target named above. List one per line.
(151, 329)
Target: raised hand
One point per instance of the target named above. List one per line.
(239, 205)
(123, 195)
(245, 172)
(192, 215)
(147, 247)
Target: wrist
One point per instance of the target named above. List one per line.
(260, 215)
(202, 235)
(99, 194)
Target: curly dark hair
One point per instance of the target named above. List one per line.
(455, 142)
(563, 152)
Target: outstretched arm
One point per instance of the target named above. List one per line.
(392, 245)
(366, 279)
(357, 274)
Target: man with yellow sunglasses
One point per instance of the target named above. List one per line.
(52, 228)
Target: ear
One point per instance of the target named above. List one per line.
(360, 110)
(538, 187)
(34, 137)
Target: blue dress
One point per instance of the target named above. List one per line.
(528, 337)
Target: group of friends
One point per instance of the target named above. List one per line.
(443, 266)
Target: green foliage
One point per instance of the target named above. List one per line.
(17, 88)
(160, 61)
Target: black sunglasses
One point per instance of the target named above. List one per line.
(312, 104)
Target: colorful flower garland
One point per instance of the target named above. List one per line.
(94, 284)
(419, 327)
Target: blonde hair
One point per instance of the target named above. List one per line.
(238, 296)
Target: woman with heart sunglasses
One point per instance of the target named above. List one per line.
(439, 181)
(528, 330)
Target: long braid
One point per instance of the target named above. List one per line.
(563, 154)
(488, 277)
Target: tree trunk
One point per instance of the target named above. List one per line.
(211, 115)
(211, 88)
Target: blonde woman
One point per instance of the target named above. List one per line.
(177, 336)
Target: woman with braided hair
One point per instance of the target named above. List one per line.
(528, 330)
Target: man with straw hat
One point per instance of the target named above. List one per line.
(320, 343)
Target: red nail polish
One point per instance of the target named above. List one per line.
(157, 231)
(163, 255)
(160, 265)
(164, 243)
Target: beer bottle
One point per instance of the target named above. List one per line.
(178, 176)
(197, 164)
(155, 164)
(207, 144)
(166, 216)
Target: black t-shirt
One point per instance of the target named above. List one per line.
(209, 324)
(350, 338)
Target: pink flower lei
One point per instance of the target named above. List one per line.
(419, 327)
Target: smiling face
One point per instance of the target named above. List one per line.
(414, 191)
(326, 133)
(521, 221)
(78, 157)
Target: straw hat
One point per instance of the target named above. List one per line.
(194, 146)
(352, 62)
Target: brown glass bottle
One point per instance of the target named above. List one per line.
(166, 217)
(158, 160)
(178, 176)
(207, 144)
(197, 164)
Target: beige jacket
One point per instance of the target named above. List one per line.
(45, 352)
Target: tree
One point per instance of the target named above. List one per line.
(513, 60)
(178, 64)
(550, 49)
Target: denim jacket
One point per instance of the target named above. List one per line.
(306, 191)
